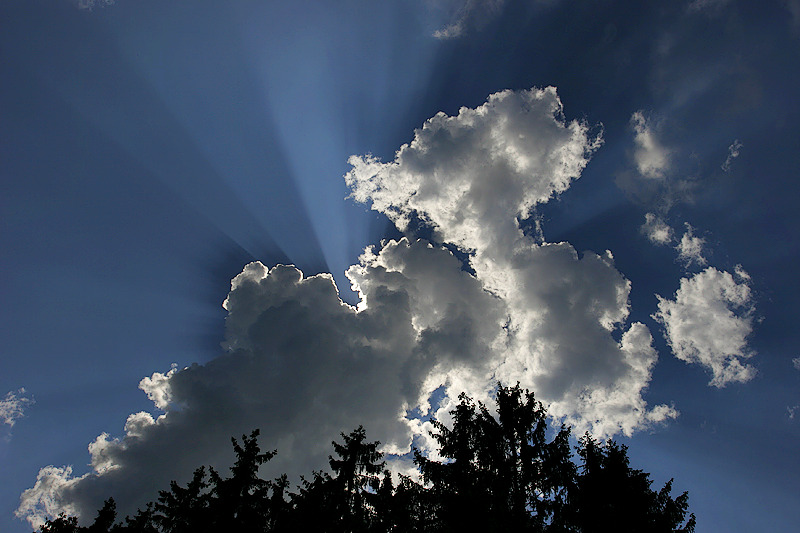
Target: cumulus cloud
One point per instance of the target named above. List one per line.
(656, 230)
(708, 323)
(651, 157)
(157, 388)
(303, 366)
(471, 175)
(796, 363)
(690, 248)
(48, 496)
(733, 152)
(13, 405)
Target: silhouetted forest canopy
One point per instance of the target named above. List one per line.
(500, 473)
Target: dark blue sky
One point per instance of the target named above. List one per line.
(150, 149)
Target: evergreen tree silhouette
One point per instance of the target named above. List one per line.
(241, 502)
(499, 473)
(60, 524)
(184, 510)
(500, 470)
(609, 491)
(356, 470)
(142, 522)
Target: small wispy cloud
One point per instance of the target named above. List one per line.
(652, 158)
(472, 14)
(733, 152)
(793, 410)
(690, 248)
(13, 406)
(656, 230)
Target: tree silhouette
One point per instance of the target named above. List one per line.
(356, 470)
(348, 501)
(183, 510)
(500, 472)
(142, 522)
(609, 491)
(242, 501)
(61, 524)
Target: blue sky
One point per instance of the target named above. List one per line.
(150, 150)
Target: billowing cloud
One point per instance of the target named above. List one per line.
(690, 248)
(733, 152)
(796, 363)
(157, 388)
(471, 175)
(13, 405)
(302, 366)
(708, 323)
(47, 498)
(656, 230)
(651, 157)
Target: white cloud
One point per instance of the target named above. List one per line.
(451, 31)
(13, 406)
(733, 152)
(157, 388)
(48, 496)
(651, 157)
(657, 177)
(470, 14)
(796, 363)
(656, 230)
(563, 311)
(470, 175)
(708, 323)
(690, 248)
(303, 366)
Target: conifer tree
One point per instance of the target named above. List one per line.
(500, 472)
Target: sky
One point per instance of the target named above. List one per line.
(302, 217)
